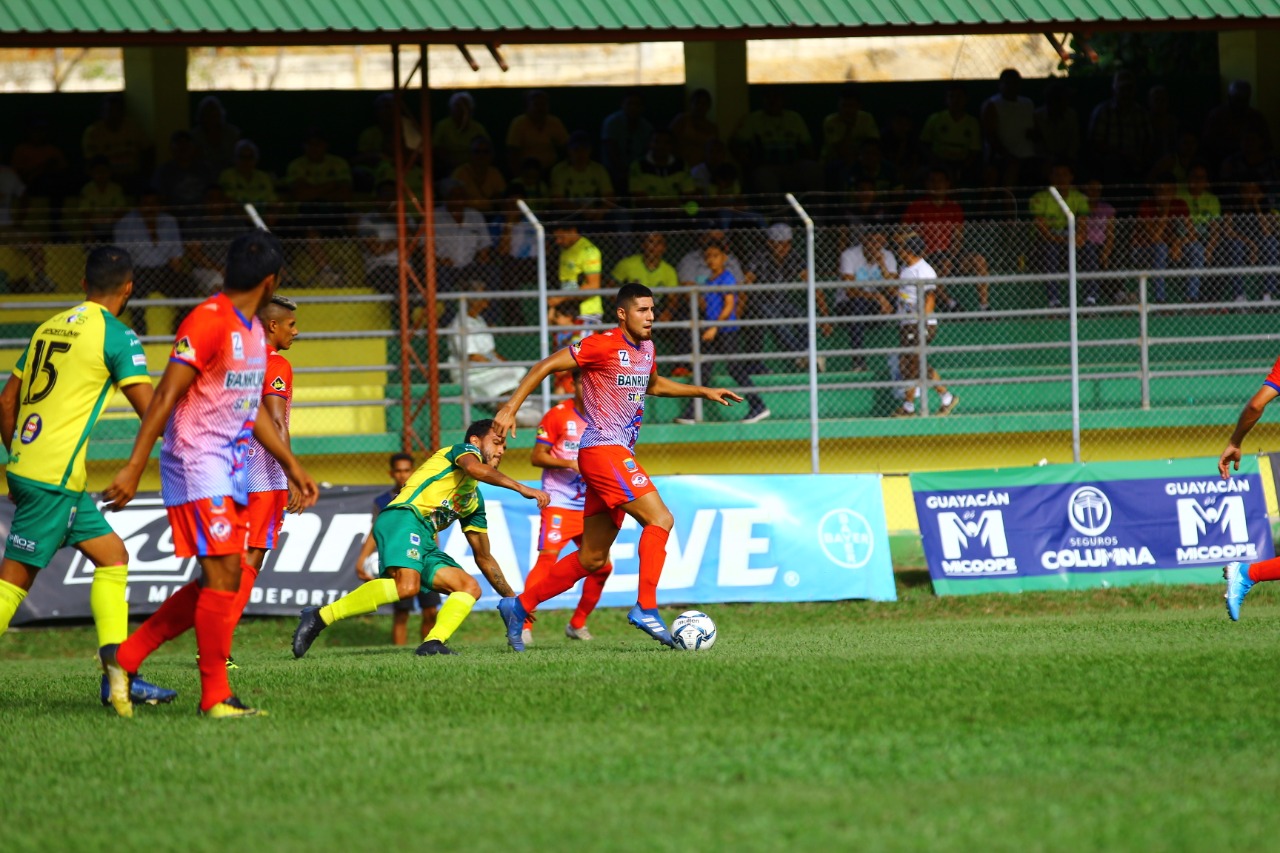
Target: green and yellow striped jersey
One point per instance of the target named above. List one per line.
(440, 492)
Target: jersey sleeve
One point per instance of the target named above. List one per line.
(460, 450)
(591, 351)
(21, 366)
(549, 428)
(477, 521)
(278, 380)
(123, 354)
(1273, 378)
(198, 340)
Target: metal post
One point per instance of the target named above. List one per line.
(1144, 343)
(922, 335)
(812, 313)
(1075, 322)
(402, 291)
(695, 351)
(429, 250)
(544, 333)
(462, 353)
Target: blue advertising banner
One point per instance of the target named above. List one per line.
(1079, 526)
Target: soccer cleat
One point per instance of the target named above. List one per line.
(309, 627)
(758, 416)
(141, 692)
(230, 709)
(526, 634)
(948, 408)
(513, 614)
(434, 647)
(577, 633)
(1238, 585)
(116, 680)
(651, 623)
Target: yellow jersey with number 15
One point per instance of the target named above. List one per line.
(67, 374)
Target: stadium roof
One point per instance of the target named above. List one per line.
(216, 22)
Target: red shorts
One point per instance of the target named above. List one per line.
(266, 515)
(209, 527)
(613, 478)
(559, 526)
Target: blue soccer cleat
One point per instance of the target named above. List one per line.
(513, 615)
(1238, 586)
(651, 623)
(141, 692)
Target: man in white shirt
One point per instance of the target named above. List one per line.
(489, 380)
(462, 240)
(915, 295)
(866, 261)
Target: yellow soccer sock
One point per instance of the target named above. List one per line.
(365, 598)
(455, 609)
(107, 601)
(11, 596)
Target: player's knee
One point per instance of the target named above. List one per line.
(592, 561)
(662, 518)
(470, 587)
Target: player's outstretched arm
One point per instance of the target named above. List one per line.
(504, 423)
(1248, 417)
(479, 542)
(661, 386)
(269, 436)
(478, 470)
(9, 410)
(177, 378)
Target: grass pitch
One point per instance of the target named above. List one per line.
(1123, 719)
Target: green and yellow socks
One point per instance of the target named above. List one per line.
(366, 598)
(455, 609)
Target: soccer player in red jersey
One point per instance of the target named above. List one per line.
(556, 453)
(618, 370)
(207, 406)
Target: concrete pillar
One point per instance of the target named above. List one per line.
(155, 92)
(720, 67)
(1254, 55)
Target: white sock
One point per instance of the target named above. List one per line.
(947, 398)
(908, 406)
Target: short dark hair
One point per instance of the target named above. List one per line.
(106, 270)
(277, 306)
(630, 292)
(399, 457)
(252, 257)
(479, 428)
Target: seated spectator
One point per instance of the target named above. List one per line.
(1119, 140)
(776, 148)
(379, 242)
(376, 143)
(1099, 239)
(953, 137)
(1008, 127)
(868, 259)
(624, 137)
(1051, 228)
(40, 163)
(719, 335)
(692, 268)
(580, 181)
(1163, 225)
(245, 183)
(1253, 162)
(215, 138)
(518, 254)
(318, 176)
(580, 265)
(1165, 126)
(536, 133)
(154, 241)
(911, 300)
(462, 240)
(1057, 127)
(693, 129)
(11, 198)
(534, 182)
(650, 268)
(939, 219)
(1178, 163)
(102, 201)
(1204, 245)
(183, 179)
(118, 138)
(712, 157)
(777, 262)
(659, 179)
(484, 184)
(489, 381)
(1254, 222)
(844, 131)
(454, 135)
(1225, 127)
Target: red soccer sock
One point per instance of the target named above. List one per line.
(653, 555)
(1267, 570)
(215, 620)
(558, 578)
(592, 587)
(174, 617)
(546, 560)
(248, 577)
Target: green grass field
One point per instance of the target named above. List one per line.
(1133, 718)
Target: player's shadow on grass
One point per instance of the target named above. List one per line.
(913, 578)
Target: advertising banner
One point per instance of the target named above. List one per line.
(736, 538)
(1089, 525)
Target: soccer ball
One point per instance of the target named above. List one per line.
(372, 565)
(693, 631)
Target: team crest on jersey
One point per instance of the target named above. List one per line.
(217, 506)
(629, 464)
(555, 520)
(639, 480)
(77, 316)
(624, 358)
(278, 383)
(31, 428)
(413, 554)
(415, 539)
(220, 529)
(237, 346)
(542, 431)
(184, 348)
(553, 536)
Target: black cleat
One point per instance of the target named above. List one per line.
(434, 647)
(309, 627)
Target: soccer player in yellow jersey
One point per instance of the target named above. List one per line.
(446, 488)
(48, 407)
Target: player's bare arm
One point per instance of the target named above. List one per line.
(175, 382)
(9, 410)
(1248, 417)
(488, 566)
(504, 423)
(139, 396)
(477, 469)
(543, 458)
(268, 434)
(660, 386)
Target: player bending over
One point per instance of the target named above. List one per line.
(618, 369)
(68, 371)
(446, 488)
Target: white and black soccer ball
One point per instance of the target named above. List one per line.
(693, 631)
(372, 565)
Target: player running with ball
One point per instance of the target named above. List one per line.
(618, 370)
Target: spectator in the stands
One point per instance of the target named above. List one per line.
(102, 201)
(778, 262)
(454, 134)
(318, 176)
(482, 181)
(118, 138)
(659, 178)
(11, 198)
(579, 182)
(844, 130)
(953, 137)
(1204, 245)
(40, 163)
(1253, 162)
(1253, 221)
(649, 267)
(1057, 126)
(1099, 237)
(536, 133)
(183, 179)
(692, 268)
(624, 137)
(702, 173)
(376, 143)
(775, 147)
(462, 240)
(867, 259)
(939, 219)
(1119, 139)
(1178, 163)
(915, 294)
(1225, 127)
(533, 180)
(1051, 244)
(379, 245)
(1163, 225)
(215, 138)
(489, 379)
(1165, 125)
(154, 241)
(693, 129)
(580, 267)
(1008, 125)
(245, 183)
